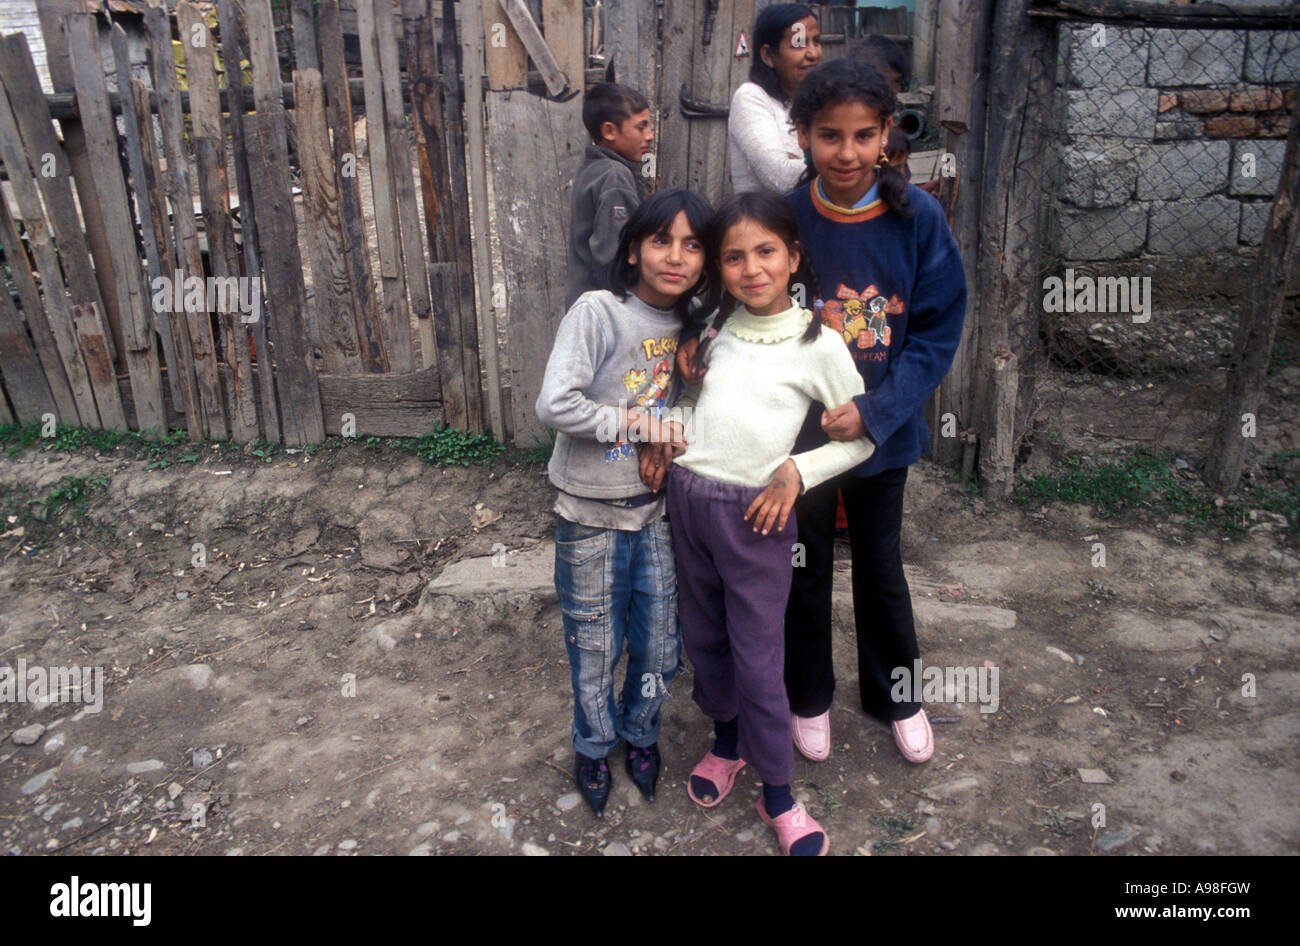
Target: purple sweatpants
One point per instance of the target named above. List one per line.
(732, 587)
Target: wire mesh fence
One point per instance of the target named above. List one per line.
(1166, 148)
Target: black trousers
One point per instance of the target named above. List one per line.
(882, 605)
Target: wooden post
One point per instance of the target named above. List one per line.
(1021, 91)
(962, 81)
(998, 452)
(296, 383)
(208, 136)
(923, 34)
(1260, 313)
(472, 69)
(231, 52)
(189, 258)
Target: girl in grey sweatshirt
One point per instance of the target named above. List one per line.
(604, 391)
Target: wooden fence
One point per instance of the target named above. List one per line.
(388, 284)
(207, 258)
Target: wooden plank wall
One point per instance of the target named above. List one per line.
(534, 146)
(699, 62)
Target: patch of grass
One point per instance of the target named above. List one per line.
(70, 491)
(447, 446)
(1055, 821)
(1277, 359)
(895, 827)
(1147, 481)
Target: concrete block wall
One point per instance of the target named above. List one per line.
(1170, 140)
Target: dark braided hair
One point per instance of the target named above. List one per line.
(771, 212)
(840, 82)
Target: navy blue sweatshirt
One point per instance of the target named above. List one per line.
(896, 292)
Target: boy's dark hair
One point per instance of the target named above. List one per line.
(771, 212)
(852, 80)
(656, 215)
(610, 102)
(898, 142)
(883, 53)
(769, 29)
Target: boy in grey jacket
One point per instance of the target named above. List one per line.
(610, 182)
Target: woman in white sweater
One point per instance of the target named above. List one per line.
(763, 149)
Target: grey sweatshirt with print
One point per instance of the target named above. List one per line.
(606, 352)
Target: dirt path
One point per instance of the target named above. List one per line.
(229, 722)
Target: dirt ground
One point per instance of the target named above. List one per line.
(229, 724)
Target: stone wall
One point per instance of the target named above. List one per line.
(1170, 140)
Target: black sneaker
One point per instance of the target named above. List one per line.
(593, 781)
(643, 768)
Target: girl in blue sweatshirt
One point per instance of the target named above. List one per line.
(890, 281)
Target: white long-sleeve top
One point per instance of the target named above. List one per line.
(749, 409)
(763, 147)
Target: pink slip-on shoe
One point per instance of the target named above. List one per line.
(793, 826)
(914, 737)
(721, 772)
(812, 736)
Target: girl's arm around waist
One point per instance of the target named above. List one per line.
(832, 379)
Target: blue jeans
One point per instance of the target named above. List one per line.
(617, 586)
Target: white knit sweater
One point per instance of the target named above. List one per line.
(762, 144)
(748, 411)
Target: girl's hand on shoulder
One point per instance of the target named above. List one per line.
(773, 505)
(686, 365)
(843, 422)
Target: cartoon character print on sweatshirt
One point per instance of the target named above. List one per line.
(647, 388)
(861, 319)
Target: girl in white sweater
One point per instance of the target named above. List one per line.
(763, 148)
(730, 498)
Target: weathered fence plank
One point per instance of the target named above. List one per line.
(396, 315)
(296, 385)
(356, 255)
(57, 307)
(384, 405)
(232, 52)
(34, 312)
(444, 273)
(208, 137)
(338, 328)
(23, 377)
(90, 330)
(189, 258)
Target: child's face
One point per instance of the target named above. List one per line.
(670, 263)
(632, 138)
(756, 267)
(898, 158)
(845, 141)
(792, 62)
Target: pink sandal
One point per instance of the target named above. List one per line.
(793, 826)
(721, 772)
